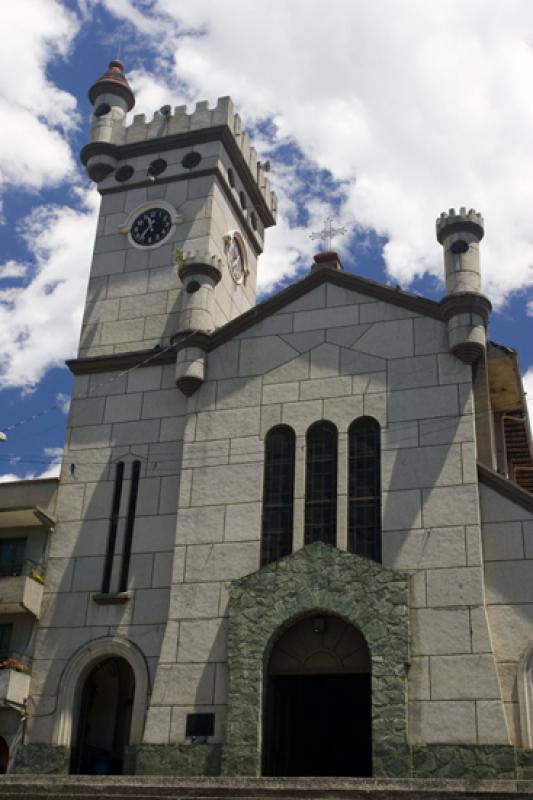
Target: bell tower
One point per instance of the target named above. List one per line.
(185, 204)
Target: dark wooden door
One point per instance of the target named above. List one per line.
(318, 725)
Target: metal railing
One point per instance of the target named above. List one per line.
(27, 567)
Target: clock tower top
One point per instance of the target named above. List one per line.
(185, 204)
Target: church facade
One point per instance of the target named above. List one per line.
(289, 538)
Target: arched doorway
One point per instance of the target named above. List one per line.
(4, 756)
(103, 729)
(317, 708)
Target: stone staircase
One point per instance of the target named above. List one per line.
(82, 787)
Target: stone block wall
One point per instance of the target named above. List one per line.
(139, 416)
(336, 355)
(508, 558)
(133, 299)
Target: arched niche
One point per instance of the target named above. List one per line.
(317, 701)
(11, 726)
(73, 680)
(318, 579)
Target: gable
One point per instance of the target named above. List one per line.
(324, 299)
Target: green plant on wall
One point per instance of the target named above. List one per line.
(179, 258)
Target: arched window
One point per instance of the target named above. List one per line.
(321, 484)
(364, 488)
(278, 490)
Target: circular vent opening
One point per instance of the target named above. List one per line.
(102, 110)
(124, 173)
(157, 167)
(191, 160)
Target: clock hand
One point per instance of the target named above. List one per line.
(148, 229)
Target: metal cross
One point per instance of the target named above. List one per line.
(328, 232)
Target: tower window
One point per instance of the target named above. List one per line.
(157, 167)
(191, 160)
(278, 490)
(242, 198)
(321, 484)
(253, 220)
(130, 522)
(364, 488)
(102, 109)
(124, 173)
(231, 177)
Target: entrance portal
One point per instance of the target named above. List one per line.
(317, 713)
(4, 756)
(104, 719)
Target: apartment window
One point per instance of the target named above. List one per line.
(5, 640)
(11, 557)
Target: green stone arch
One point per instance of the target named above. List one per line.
(318, 578)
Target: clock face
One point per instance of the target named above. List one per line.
(151, 227)
(235, 260)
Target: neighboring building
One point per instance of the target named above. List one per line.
(27, 520)
(293, 537)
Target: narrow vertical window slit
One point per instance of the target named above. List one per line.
(364, 488)
(130, 522)
(113, 524)
(321, 484)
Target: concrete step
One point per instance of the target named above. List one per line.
(83, 787)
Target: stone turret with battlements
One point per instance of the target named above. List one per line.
(465, 307)
(185, 203)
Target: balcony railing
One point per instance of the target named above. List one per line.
(21, 587)
(14, 569)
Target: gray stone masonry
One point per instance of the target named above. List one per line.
(314, 360)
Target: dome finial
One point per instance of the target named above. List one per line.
(113, 81)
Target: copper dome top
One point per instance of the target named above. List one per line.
(114, 81)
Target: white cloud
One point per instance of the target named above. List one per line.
(54, 452)
(39, 323)
(50, 472)
(527, 380)
(63, 401)
(418, 106)
(32, 108)
(12, 269)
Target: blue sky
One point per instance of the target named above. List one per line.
(381, 114)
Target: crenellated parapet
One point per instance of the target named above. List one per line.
(463, 221)
(165, 130)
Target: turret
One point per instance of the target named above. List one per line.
(111, 98)
(465, 308)
(185, 205)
